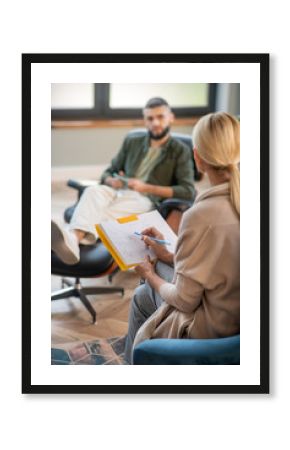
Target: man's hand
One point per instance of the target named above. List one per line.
(115, 183)
(146, 188)
(160, 250)
(137, 185)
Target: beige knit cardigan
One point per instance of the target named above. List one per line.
(203, 299)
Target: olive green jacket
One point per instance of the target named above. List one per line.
(173, 167)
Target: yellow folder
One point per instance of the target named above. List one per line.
(110, 247)
(119, 237)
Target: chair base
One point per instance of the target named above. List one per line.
(76, 290)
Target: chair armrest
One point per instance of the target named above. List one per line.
(173, 203)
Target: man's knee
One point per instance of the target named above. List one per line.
(91, 190)
(97, 191)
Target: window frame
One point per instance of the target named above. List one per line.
(102, 110)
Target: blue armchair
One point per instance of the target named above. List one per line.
(223, 351)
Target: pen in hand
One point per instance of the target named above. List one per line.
(159, 241)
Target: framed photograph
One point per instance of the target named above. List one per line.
(76, 111)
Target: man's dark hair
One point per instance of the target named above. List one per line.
(155, 102)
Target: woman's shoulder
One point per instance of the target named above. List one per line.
(211, 211)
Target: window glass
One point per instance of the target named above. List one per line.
(72, 96)
(181, 95)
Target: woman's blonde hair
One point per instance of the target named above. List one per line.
(216, 138)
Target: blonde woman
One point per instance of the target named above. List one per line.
(200, 296)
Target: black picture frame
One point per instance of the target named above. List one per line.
(259, 59)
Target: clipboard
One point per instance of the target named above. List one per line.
(127, 249)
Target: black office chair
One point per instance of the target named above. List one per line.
(95, 262)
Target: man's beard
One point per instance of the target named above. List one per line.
(157, 137)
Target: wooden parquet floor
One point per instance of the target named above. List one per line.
(71, 322)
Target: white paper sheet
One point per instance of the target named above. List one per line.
(131, 247)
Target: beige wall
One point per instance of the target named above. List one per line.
(77, 147)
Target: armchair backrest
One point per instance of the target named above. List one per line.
(221, 351)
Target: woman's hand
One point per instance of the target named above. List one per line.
(145, 269)
(159, 249)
